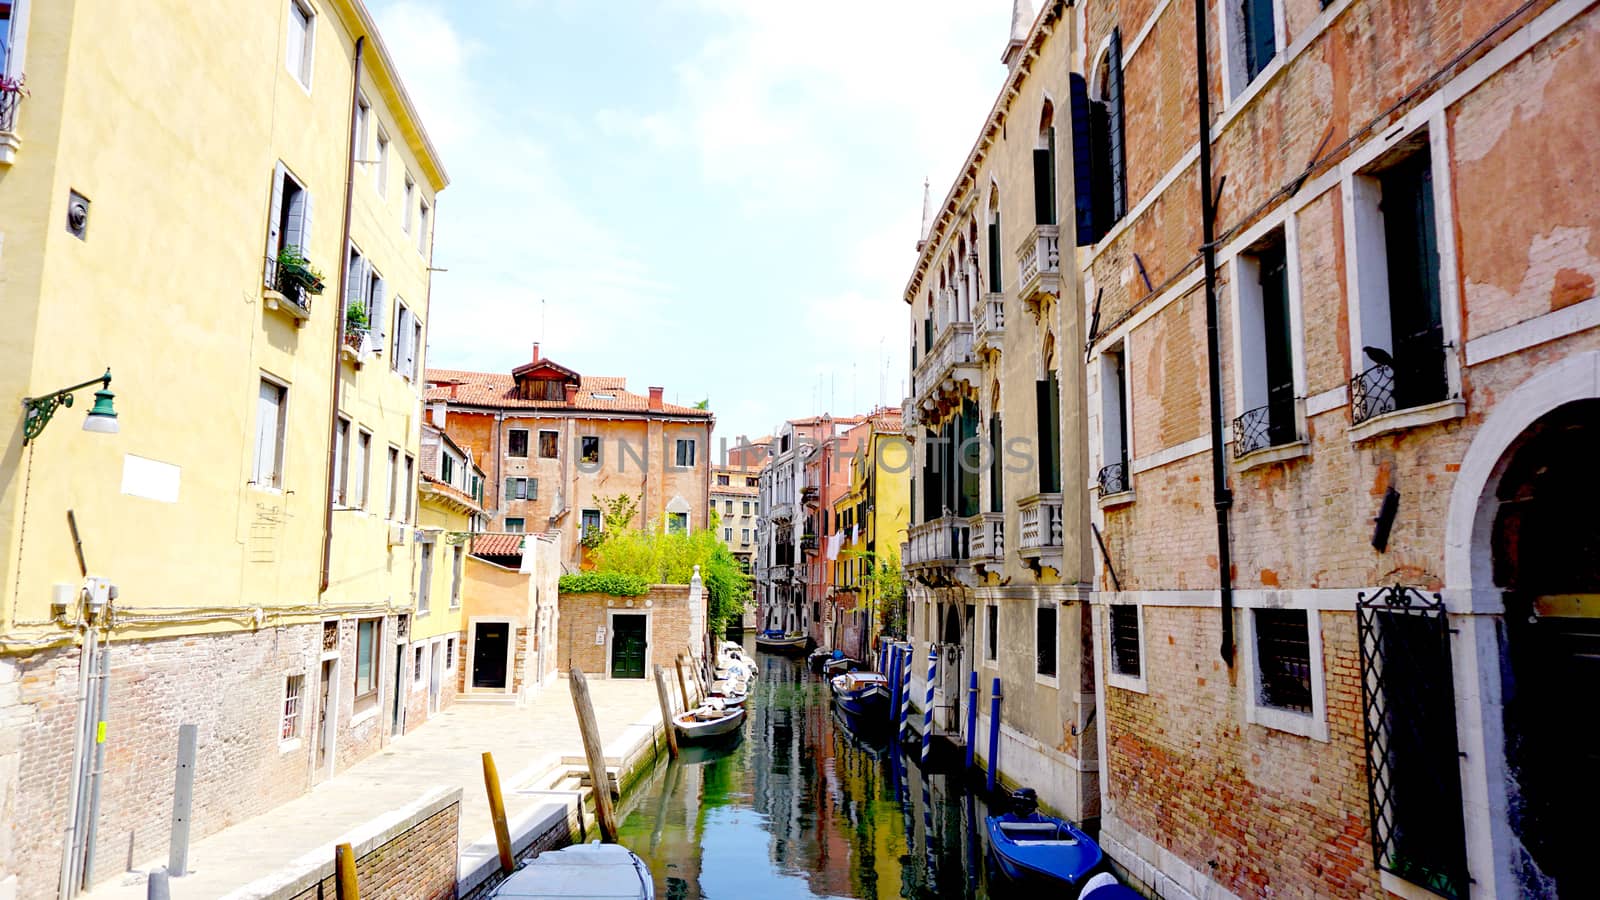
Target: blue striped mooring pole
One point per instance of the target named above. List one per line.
(994, 734)
(972, 716)
(905, 694)
(927, 707)
(891, 670)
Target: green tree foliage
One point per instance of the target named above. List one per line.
(615, 583)
(659, 557)
(889, 588)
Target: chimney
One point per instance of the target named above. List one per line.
(655, 399)
(535, 351)
(1022, 17)
(572, 391)
(439, 412)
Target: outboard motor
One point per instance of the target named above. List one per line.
(1024, 801)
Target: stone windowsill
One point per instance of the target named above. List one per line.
(1404, 889)
(1266, 456)
(9, 145)
(275, 300)
(1112, 501)
(1413, 417)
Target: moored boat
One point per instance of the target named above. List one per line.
(1032, 847)
(712, 720)
(1106, 887)
(582, 870)
(774, 641)
(864, 695)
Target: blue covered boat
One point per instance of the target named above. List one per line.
(1032, 847)
(864, 695)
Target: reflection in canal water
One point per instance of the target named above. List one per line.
(802, 807)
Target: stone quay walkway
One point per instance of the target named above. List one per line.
(528, 743)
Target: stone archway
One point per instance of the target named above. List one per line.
(1522, 556)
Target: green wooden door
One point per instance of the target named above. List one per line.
(627, 646)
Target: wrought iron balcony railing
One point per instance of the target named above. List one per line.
(1265, 426)
(9, 101)
(1371, 394)
(1113, 479)
(294, 283)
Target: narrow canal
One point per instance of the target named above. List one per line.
(802, 807)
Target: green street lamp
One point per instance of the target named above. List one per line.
(102, 418)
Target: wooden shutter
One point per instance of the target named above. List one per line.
(413, 345)
(1083, 164)
(305, 222)
(377, 317)
(1044, 212)
(997, 489)
(275, 213)
(355, 277)
(1119, 174)
(1047, 395)
(267, 406)
(1261, 43)
(970, 457)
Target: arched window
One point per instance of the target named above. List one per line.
(1044, 168)
(995, 285)
(1100, 169)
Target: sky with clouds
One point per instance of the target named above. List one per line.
(717, 196)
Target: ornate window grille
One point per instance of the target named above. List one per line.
(1114, 479)
(1409, 721)
(1371, 394)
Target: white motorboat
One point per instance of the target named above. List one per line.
(583, 870)
(711, 720)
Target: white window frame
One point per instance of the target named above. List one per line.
(363, 131)
(425, 564)
(341, 461)
(1313, 725)
(1048, 680)
(527, 443)
(380, 172)
(410, 202)
(364, 452)
(521, 520)
(537, 451)
(422, 227)
(458, 570)
(677, 452)
(410, 488)
(292, 742)
(308, 47)
(1249, 327)
(511, 654)
(1137, 683)
(1236, 80)
(275, 485)
(393, 459)
(1367, 267)
(452, 654)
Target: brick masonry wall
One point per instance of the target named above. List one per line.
(669, 631)
(419, 864)
(1258, 810)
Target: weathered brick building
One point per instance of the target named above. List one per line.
(1390, 685)
(555, 443)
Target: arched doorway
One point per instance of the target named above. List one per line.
(953, 664)
(1545, 542)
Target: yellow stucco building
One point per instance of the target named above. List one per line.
(871, 519)
(199, 207)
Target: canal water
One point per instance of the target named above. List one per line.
(802, 807)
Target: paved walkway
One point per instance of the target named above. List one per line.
(527, 742)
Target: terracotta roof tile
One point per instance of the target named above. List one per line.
(595, 393)
(497, 544)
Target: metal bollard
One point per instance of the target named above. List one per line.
(156, 886)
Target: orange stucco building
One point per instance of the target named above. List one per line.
(554, 443)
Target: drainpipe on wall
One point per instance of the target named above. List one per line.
(338, 330)
(1222, 498)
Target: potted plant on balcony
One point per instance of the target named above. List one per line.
(356, 325)
(298, 270)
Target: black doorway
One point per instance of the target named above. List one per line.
(491, 642)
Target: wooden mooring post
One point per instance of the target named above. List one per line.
(344, 867)
(596, 754)
(664, 694)
(683, 684)
(497, 814)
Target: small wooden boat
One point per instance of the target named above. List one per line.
(1032, 847)
(864, 695)
(773, 641)
(712, 720)
(729, 697)
(582, 870)
(840, 664)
